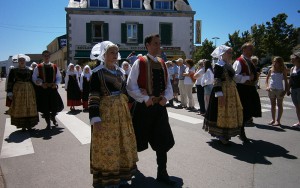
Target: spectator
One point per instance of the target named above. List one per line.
(182, 91)
(254, 60)
(207, 82)
(275, 88)
(189, 83)
(294, 85)
(132, 57)
(175, 81)
(200, 89)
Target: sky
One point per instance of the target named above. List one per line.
(28, 26)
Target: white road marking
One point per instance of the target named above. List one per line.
(269, 106)
(78, 128)
(284, 102)
(15, 142)
(184, 118)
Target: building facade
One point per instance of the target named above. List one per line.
(58, 50)
(126, 23)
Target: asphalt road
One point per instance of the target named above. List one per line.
(60, 158)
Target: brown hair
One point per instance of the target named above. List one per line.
(190, 62)
(280, 61)
(149, 38)
(247, 44)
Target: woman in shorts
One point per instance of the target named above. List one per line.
(276, 90)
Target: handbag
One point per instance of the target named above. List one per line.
(192, 77)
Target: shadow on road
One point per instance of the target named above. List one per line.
(19, 136)
(254, 152)
(149, 182)
(46, 134)
(270, 127)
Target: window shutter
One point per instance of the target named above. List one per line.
(166, 34)
(123, 33)
(140, 34)
(105, 32)
(88, 34)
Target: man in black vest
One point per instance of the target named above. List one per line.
(149, 85)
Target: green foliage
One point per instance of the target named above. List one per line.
(275, 38)
(203, 51)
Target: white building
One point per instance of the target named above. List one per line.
(126, 23)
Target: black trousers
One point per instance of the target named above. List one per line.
(200, 97)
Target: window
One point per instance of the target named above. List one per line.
(163, 4)
(166, 32)
(132, 4)
(132, 33)
(99, 3)
(96, 32)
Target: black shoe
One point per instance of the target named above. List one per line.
(55, 123)
(163, 177)
(244, 139)
(48, 127)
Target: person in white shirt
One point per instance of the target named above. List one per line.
(245, 77)
(189, 83)
(200, 89)
(207, 82)
(276, 90)
(47, 77)
(150, 117)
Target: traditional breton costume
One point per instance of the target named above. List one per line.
(247, 90)
(72, 86)
(224, 121)
(85, 85)
(8, 100)
(151, 124)
(113, 153)
(23, 109)
(49, 101)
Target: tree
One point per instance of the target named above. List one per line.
(275, 38)
(204, 51)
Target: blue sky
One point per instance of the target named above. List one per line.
(28, 26)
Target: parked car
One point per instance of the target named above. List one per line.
(288, 66)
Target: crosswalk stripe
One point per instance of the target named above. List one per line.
(269, 106)
(184, 118)
(284, 102)
(78, 128)
(15, 143)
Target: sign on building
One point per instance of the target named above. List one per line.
(198, 31)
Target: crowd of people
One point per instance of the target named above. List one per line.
(127, 104)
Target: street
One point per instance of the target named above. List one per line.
(59, 158)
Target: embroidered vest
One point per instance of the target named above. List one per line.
(145, 78)
(245, 67)
(47, 73)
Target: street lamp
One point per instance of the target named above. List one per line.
(216, 38)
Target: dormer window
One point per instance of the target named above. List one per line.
(99, 3)
(132, 4)
(163, 4)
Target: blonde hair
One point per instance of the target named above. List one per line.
(280, 61)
